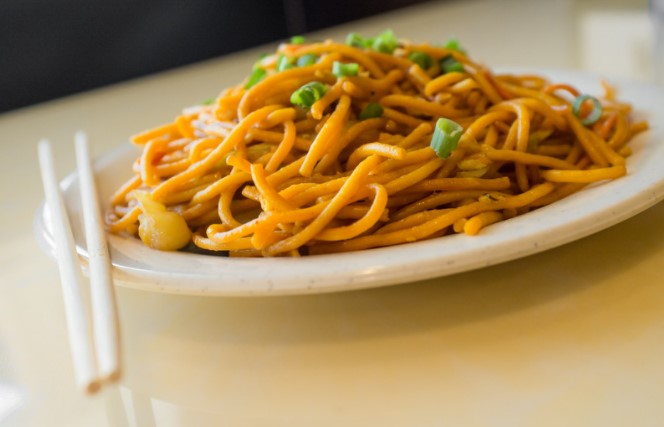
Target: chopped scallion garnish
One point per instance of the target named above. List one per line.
(422, 59)
(284, 63)
(385, 42)
(297, 40)
(372, 110)
(256, 76)
(307, 59)
(308, 94)
(259, 62)
(449, 64)
(356, 40)
(341, 69)
(208, 101)
(445, 137)
(594, 115)
(453, 44)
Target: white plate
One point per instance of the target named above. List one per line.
(584, 213)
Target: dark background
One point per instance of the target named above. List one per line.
(52, 48)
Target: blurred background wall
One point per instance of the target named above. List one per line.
(50, 49)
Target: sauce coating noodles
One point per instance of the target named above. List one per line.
(327, 147)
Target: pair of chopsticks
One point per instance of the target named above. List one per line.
(97, 362)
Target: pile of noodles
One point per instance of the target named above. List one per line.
(330, 147)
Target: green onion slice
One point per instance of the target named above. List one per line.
(449, 64)
(341, 69)
(307, 59)
(356, 40)
(209, 101)
(259, 62)
(284, 63)
(372, 110)
(308, 94)
(453, 44)
(385, 42)
(297, 40)
(422, 59)
(445, 137)
(256, 76)
(594, 115)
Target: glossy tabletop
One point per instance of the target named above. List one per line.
(572, 336)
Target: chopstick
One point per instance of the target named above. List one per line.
(90, 371)
(71, 279)
(102, 295)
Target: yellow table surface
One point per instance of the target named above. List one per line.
(573, 336)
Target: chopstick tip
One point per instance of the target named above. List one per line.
(113, 376)
(80, 137)
(92, 387)
(44, 144)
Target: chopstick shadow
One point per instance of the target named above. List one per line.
(128, 408)
(446, 302)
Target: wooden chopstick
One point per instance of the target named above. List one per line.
(104, 310)
(90, 372)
